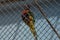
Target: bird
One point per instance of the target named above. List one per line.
(28, 18)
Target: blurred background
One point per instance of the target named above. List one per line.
(12, 26)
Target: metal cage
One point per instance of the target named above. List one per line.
(12, 26)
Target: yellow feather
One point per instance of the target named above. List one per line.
(32, 28)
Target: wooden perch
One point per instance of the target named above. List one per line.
(8, 1)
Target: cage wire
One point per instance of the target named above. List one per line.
(12, 26)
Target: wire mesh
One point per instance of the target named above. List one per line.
(13, 28)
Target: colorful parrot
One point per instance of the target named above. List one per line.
(28, 18)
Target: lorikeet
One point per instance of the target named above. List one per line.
(28, 18)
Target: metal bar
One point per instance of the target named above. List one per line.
(44, 14)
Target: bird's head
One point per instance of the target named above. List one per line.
(25, 11)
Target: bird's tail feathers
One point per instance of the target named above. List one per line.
(32, 28)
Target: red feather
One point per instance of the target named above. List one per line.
(25, 11)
